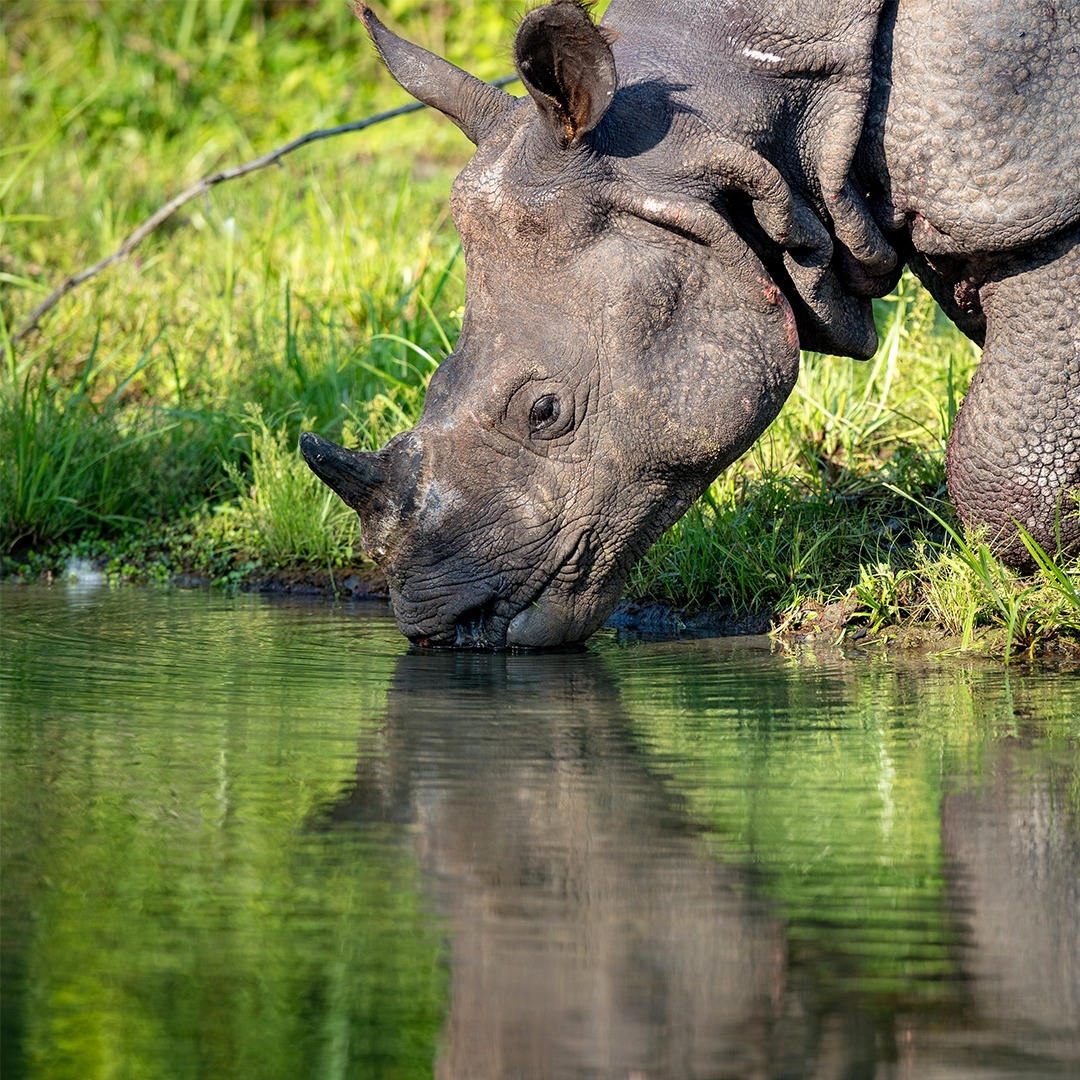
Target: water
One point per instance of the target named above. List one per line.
(249, 838)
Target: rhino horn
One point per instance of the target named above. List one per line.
(475, 106)
(355, 476)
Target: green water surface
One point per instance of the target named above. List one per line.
(254, 838)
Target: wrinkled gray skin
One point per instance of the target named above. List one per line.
(688, 195)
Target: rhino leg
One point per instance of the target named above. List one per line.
(1014, 452)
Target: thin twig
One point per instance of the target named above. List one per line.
(202, 187)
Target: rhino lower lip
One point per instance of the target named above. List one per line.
(483, 626)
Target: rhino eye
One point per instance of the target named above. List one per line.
(544, 413)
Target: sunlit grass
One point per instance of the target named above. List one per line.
(306, 290)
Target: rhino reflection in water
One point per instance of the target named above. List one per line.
(688, 195)
(595, 931)
(590, 932)
(1013, 851)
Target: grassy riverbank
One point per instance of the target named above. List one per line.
(150, 424)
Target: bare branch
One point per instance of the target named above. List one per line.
(203, 186)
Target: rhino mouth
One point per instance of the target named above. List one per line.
(479, 627)
(495, 622)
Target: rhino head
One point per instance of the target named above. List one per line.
(621, 345)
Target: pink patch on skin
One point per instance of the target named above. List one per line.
(791, 328)
(773, 295)
(771, 291)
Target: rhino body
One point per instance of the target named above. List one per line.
(690, 194)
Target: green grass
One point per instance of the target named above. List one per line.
(75, 457)
(297, 518)
(152, 421)
(307, 289)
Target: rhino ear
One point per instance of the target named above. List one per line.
(565, 62)
(475, 106)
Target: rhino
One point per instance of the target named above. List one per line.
(691, 192)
